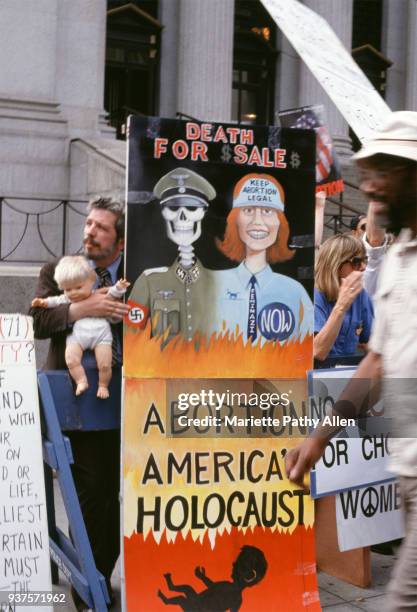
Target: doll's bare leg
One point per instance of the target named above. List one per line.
(73, 356)
(103, 355)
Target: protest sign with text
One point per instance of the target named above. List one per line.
(332, 65)
(220, 255)
(24, 548)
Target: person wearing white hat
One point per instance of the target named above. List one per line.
(252, 300)
(388, 167)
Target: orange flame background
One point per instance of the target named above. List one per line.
(221, 357)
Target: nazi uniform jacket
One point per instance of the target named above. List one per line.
(175, 299)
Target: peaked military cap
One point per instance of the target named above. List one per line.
(183, 187)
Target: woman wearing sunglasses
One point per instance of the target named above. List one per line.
(343, 311)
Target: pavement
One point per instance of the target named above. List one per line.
(339, 596)
(335, 595)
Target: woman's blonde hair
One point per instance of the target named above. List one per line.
(234, 248)
(332, 254)
(72, 269)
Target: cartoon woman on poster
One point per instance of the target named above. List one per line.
(252, 299)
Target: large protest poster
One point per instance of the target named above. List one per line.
(220, 256)
(197, 317)
(24, 546)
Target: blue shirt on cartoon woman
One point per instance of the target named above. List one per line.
(281, 309)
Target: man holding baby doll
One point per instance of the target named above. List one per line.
(96, 453)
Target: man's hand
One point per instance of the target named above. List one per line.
(99, 304)
(300, 460)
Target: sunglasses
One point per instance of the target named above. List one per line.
(381, 174)
(356, 262)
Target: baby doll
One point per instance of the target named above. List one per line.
(76, 278)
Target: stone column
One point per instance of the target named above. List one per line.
(168, 16)
(339, 16)
(287, 75)
(27, 48)
(411, 71)
(80, 57)
(33, 131)
(393, 46)
(205, 59)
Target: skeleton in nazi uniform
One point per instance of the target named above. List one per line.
(175, 298)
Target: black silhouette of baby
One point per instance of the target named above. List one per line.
(248, 569)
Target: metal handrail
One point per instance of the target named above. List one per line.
(9, 203)
(337, 222)
(340, 221)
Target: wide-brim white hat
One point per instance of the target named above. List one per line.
(397, 137)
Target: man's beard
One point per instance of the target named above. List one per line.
(392, 223)
(98, 254)
(398, 218)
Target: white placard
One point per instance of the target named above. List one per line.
(369, 516)
(332, 65)
(353, 461)
(24, 542)
(349, 463)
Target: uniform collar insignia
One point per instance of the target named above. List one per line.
(187, 275)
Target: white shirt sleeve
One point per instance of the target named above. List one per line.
(373, 268)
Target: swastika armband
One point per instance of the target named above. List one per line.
(137, 315)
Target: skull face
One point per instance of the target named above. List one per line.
(183, 223)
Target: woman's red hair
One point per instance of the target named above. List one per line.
(234, 248)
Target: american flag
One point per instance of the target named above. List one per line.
(324, 145)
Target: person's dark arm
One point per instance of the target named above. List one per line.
(300, 460)
(375, 233)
